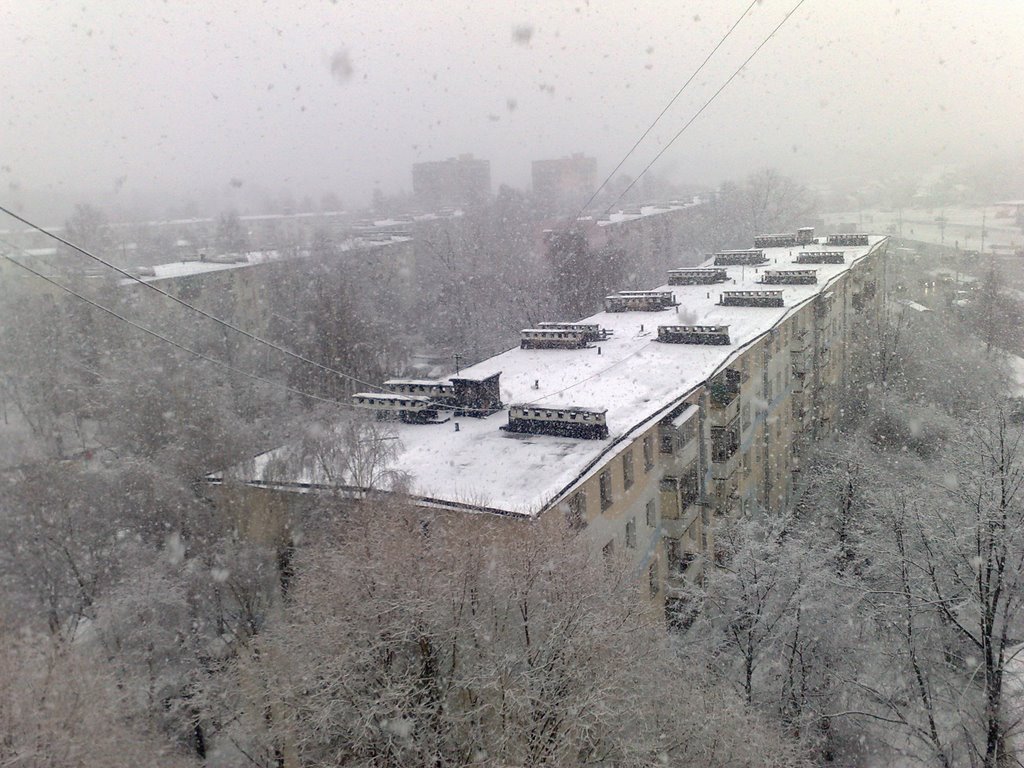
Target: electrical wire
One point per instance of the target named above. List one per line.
(206, 314)
(187, 305)
(182, 347)
(706, 105)
(591, 376)
(668, 106)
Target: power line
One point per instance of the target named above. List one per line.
(668, 106)
(591, 376)
(187, 305)
(706, 104)
(182, 347)
(186, 349)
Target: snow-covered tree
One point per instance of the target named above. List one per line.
(407, 642)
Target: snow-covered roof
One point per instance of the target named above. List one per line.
(177, 269)
(633, 376)
(641, 212)
(912, 305)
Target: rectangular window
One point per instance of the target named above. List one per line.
(631, 533)
(605, 482)
(648, 453)
(678, 558)
(668, 442)
(652, 579)
(576, 515)
(627, 468)
(689, 485)
(687, 432)
(652, 514)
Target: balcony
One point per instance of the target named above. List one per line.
(725, 388)
(798, 360)
(725, 442)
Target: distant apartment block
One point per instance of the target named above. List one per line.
(235, 286)
(453, 183)
(641, 428)
(565, 183)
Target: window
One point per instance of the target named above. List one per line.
(576, 515)
(689, 486)
(627, 468)
(668, 442)
(687, 431)
(631, 533)
(652, 579)
(679, 560)
(648, 453)
(652, 514)
(605, 482)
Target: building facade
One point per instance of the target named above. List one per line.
(454, 183)
(566, 183)
(643, 426)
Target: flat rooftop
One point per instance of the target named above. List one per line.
(196, 266)
(636, 378)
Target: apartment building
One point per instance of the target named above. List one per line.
(234, 286)
(640, 426)
(564, 183)
(457, 182)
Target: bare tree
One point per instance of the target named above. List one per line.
(59, 708)
(407, 643)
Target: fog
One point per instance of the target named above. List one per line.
(142, 106)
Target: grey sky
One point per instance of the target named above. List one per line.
(120, 102)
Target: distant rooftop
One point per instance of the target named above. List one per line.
(632, 213)
(220, 263)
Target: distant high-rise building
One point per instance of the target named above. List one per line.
(455, 182)
(564, 183)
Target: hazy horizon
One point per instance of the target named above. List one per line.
(148, 107)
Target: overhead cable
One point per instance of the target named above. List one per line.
(161, 337)
(706, 105)
(187, 305)
(668, 106)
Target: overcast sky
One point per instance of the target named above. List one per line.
(121, 102)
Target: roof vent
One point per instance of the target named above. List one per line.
(820, 257)
(805, 236)
(782, 240)
(561, 421)
(438, 390)
(591, 331)
(752, 299)
(552, 338)
(789, 276)
(746, 258)
(477, 396)
(696, 276)
(847, 239)
(408, 408)
(693, 334)
(639, 301)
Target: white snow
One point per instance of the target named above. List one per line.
(176, 269)
(634, 377)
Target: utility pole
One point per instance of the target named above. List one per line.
(457, 357)
(984, 213)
